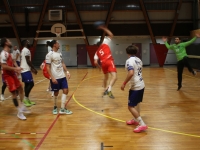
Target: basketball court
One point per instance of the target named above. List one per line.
(99, 123)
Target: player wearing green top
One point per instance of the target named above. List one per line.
(181, 55)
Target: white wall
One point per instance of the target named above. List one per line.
(118, 47)
(171, 57)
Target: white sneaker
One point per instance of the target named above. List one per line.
(2, 97)
(194, 73)
(24, 109)
(65, 111)
(48, 90)
(21, 116)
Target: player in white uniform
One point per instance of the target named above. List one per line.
(27, 68)
(57, 69)
(134, 77)
(16, 55)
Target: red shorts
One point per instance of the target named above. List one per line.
(12, 82)
(108, 66)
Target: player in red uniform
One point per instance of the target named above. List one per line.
(10, 77)
(107, 62)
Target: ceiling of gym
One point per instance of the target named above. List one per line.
(123, 17)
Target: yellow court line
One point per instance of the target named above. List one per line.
(168, 131)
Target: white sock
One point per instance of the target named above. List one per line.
(55, 99)
(26, 98)
(19, 108)
(109, 88)
(63, 100)
(141, 122)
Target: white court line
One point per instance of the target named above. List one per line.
(34, 83)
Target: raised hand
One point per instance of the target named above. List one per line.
(164, 39)
(198, 35)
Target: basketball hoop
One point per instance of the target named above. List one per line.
(57, 34)
(59, 29)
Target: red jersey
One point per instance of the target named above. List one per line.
(104, 53)
(6, 58)
(44, 70)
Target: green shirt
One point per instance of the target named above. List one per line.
(179, 49)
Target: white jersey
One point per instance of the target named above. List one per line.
(15, 52)
(55, 60)
(49, 49)
(135, 64)
(24, 65)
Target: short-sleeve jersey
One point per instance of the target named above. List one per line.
(24, 65)
(15, 52)
(6, 58)
(55, 60)
(49, 48)
(103, 52)
(135, 64)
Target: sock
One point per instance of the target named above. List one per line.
(63, 100)
(55, 99)
(141, 122)
(26, 98)
(109, 88)
(15, 102)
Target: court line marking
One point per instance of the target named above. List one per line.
(19, 133)
(17, 137)
(22, 85)
(158, 129)
(51, 126)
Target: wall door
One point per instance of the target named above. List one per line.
(81, 55)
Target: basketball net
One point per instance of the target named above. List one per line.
(57, 34)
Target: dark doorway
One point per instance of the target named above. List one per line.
(81, 55)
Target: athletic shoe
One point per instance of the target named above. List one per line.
(21, 116)
(2, 97)
(140, 128)
(132, 122)
(32, 103)
(55, 110)
(194, 73)
(110, 95)
(105, 93)
(27, 103)
(65, 111)
(24, 109)
(48, 90)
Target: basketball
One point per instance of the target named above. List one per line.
(98, 23)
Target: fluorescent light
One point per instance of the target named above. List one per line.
(131, 6)
(96, 5)
(61, 6)
(30, 7)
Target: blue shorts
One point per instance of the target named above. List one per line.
(18, 63)
(62, 84)
(27, 77)
(135, 97)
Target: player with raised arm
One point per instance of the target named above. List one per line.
(104, 54)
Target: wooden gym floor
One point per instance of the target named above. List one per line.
(97, 123)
